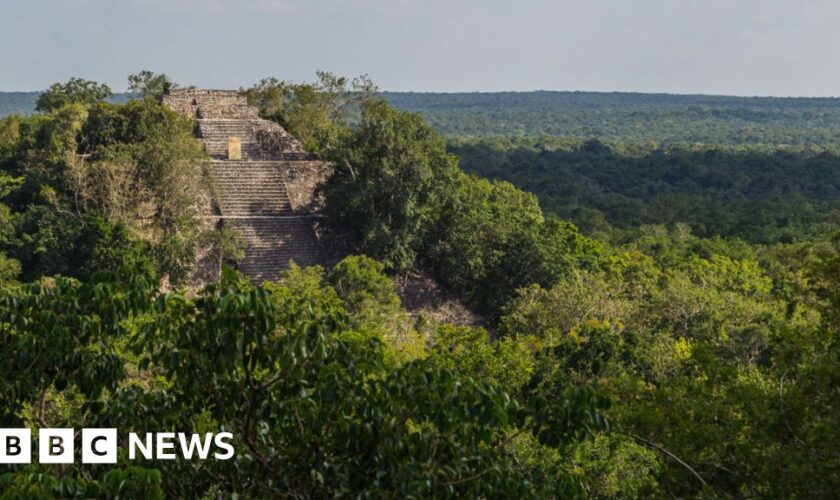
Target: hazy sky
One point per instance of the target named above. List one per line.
(744, 47)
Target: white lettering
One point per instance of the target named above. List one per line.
(163, 443)
(220, 441)
(145, 447)
(203, 447)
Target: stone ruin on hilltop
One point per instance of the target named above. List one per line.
(263, 181)
(264, 185)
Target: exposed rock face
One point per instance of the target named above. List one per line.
(263, 180)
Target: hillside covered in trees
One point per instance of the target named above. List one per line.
(643, 356)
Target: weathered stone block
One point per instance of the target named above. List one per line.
(234, 148)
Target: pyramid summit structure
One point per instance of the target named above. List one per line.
(263, 181)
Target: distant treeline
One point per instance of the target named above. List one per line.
(24, 102)
(660, 118)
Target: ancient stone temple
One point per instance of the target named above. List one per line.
(263, 181)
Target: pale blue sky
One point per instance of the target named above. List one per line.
(743, 47)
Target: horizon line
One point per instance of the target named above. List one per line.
(534, 91)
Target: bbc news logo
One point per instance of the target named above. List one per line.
(99, 446)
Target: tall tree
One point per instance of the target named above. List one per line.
(75, 90)
(150, 85)
(390, 178)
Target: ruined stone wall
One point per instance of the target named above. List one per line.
(273, 140)
(200, 103)
(302, 178)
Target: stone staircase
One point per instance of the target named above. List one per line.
(253, 178)
(215, 134)
(250, 188)
(275, 241)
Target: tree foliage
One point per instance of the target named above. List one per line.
(314, 412)
(150, 85)
(759, 195)
(93, 175)
(74, 91)
(650, 362)
(394, 170)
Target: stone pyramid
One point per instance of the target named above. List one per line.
(263, 180)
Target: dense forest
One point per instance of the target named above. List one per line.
(762, 195)
(646, 356)
(630, 117)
